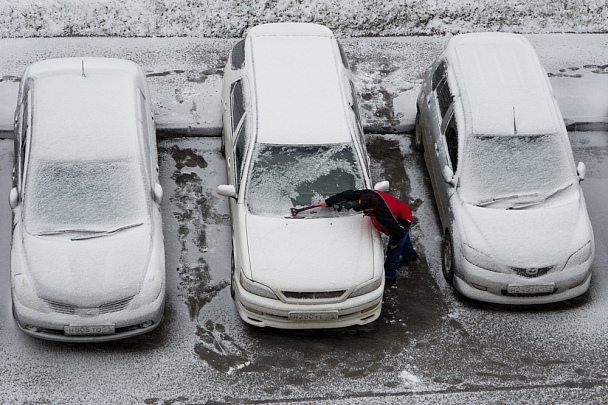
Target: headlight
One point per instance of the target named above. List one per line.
(366, 288)
(580, 256)
(256, 288)
(478, 258)
(149, 292)
(25, 294)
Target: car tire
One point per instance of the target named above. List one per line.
(232, 286)
(223, 147)
(418, 134)
(447, 258)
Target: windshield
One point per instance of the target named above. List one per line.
(83, 195)
(282, 177)
(501, 167)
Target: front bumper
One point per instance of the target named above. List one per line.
(484, 285)
(265, 312)
(128, 323)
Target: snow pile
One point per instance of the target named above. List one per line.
(232, 18)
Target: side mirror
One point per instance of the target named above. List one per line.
(580, 170)
(158, 193)
(13, 198)
(226, 190)
(382, 186)
(448, 175)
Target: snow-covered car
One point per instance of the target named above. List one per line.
(514, 218)
(87, 253)
(292, 136)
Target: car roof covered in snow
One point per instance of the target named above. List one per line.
(505, 89)
(298, 84)
(85, 116)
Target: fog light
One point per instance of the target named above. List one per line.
(31, 328)
(480, 287)
(146, 324)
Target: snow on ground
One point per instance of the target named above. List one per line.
(231, 18)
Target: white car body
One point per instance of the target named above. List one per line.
(287, 89)
(515, 223)
(87, 253)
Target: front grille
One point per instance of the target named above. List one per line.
(314, 295)
(531, 272)
(61, 308)
(115, 306)
(69, 309)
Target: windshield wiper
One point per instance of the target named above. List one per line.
(529, 204)
(59, 231)
(99, 234)
(504, 197)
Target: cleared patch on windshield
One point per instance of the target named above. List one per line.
(293, 176)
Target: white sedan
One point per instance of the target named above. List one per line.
(87, 255)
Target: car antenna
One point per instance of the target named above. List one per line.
(514, 122)
(83, 75)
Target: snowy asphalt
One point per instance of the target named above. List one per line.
(429, 345)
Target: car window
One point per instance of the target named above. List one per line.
(83, 194)
(282, 177)
(496, 166)
(22, 138)
(237, 56)
(441, 88)
(342, 55)
(438, 74)
(142, 116)
(237, 101)
(240, 148)
(451, 140)
(444, 97)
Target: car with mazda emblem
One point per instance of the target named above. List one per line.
(507, 189)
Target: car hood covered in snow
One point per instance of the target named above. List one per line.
(91, 272)
(536, 236)
(320, 254)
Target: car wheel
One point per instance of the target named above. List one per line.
(232, 286)
(223, 147)
(418, 134)
(447, 258)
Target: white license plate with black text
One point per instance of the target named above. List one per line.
(313, 316)
(85, 330)
(531, 289)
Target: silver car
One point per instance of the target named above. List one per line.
(87, 254)
(514, 218)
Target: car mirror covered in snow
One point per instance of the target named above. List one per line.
(382, 186)
(226, 190)
(13, 198)
(448, 175)
(580, 170)
(158, 193)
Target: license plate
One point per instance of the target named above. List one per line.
(84, 330)
(530, 289)
(313, 316)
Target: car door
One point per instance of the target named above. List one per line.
(447, 155)
(440, 107)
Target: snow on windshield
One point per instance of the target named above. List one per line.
(96, 195)
(292, 176)
(496, 166)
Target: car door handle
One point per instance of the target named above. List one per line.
(436, 149)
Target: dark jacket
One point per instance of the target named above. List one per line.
(390, 216)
